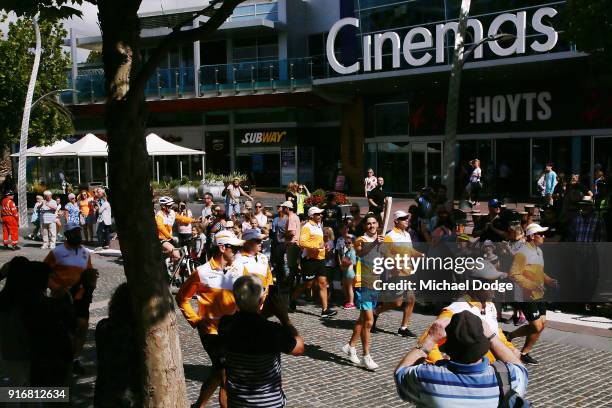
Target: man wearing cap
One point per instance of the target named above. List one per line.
(292, 242)
(528, 272)
(480, 304)
(492, 227)
(313, 261)
(73, 273)
(256, 263)
(468, 378)
(398, 242)
(212, 285)
(10, 221)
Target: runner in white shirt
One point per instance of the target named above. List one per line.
(398, 235)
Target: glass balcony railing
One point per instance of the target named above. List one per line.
(268, 11)
(181, 82)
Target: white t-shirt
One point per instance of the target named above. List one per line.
(370, 183)
(262, 220)
(476, 174)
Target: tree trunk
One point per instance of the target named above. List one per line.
(25, 127)
(452, 107)
(163, 381)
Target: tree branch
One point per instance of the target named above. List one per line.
(179, 37)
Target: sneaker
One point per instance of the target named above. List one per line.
(373, 329)
(325, 314)
(105, 247)
(77, 368)
(521, 321)
(405, 332)
(351, 352)
(16, 248)
(527, 359)
(51, 246)
(44, 246)
(348, 306)
(292, 306)
(369, 363)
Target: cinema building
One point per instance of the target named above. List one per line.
(297, 89)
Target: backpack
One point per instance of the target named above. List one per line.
(508, 398)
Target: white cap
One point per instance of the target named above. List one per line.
(287, 204)
(400, 214)
(71, 196)
(229, 224)
(314, 210)
(488, 242)
(227, 238)
(534, 229)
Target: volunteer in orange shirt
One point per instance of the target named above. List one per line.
(10, 221)
(87, 218)
(212, 284)
(165, 219)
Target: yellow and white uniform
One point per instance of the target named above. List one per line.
(403, 246)
(68, 265)
(257, 265)
(213, 287)
(311, 241)
(466, 303)
(165, 222)
(528, 272)
(364, 277)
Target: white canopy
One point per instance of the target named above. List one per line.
(156, 146)
(89, 146)
(36, 151)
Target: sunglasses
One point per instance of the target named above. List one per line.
(258, 206)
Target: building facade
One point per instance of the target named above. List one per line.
(298, 89)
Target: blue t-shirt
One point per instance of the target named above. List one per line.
(73, 212)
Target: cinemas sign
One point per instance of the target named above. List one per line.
(422, 45)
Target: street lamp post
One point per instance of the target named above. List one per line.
(452, 107)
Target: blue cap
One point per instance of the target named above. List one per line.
(252, 234)
(495, 203)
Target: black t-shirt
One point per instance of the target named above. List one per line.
(253, 367)
(332, 217)
(489, 234)
(378, 196)
(291, 196)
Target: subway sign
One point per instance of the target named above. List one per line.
(264, 137)
(421, 45)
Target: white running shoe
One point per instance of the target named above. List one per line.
(351, 352)
(369, 363)
(44, 247)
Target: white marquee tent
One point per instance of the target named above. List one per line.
(92, 146)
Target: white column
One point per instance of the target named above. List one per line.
(180, 168)
(157, 165)
(74, 71)
(283, 56)
(79, 168)
(196, 62)
(203, 166)
(106, 172)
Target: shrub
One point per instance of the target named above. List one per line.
(319, 197)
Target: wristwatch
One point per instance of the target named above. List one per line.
(491, 336)
(421, 346)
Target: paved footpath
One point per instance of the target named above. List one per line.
(575, 369)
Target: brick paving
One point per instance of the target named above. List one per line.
(568, 375)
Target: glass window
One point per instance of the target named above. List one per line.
(391, 119)
(391, 157)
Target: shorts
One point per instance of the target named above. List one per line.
(81, 305)
(293, 256)
(533, 310)
(349, 273)
(213, 348)
(395, 294)
(365, 299)
(313, 268)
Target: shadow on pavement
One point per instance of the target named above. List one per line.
(313, 351)
(338, 323)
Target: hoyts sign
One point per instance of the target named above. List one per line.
(421, 45)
